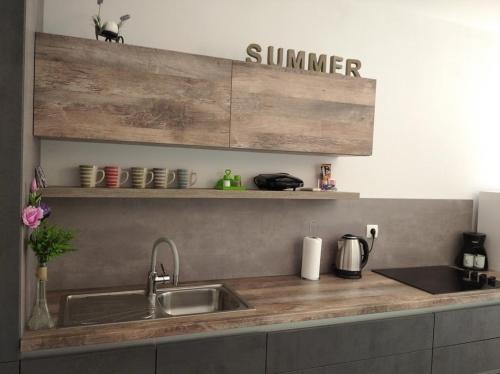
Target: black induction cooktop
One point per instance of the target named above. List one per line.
(440, 279)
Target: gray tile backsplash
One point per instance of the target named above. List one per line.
(243, 238)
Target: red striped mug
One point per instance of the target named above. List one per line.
(115, 177)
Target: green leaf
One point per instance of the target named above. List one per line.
(50, 241)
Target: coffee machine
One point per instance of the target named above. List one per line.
(473, 254)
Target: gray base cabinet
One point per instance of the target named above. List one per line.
(408, 363)
(240, 354)
(465, 341)
(137, 360)
(9, 368)
(470, 358)
(467, 325)
(294, 350)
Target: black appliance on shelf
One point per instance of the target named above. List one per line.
(277, 181)
(474, 245)
(440, 279)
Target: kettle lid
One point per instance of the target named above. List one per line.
(349, 237)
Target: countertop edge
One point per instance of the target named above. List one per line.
(37, 353)
(67, 340)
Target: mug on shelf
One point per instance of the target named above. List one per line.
(163, 177)
(89, 176)
(141, 177)
(186, 178)
(115, 176)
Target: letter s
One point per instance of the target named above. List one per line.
(253, 51)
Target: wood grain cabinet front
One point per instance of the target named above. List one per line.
(239, 354)
(278, 109)
(296, 350)
(137, 360)
(92, 90)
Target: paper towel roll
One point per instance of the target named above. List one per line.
(311, 257)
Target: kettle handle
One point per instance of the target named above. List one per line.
(365, 250)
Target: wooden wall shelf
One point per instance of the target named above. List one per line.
(191, 193)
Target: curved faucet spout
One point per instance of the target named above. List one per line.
(175, 255)
(153, 277)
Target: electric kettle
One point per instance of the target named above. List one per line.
(352, 257)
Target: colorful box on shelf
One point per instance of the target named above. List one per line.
(229, 183)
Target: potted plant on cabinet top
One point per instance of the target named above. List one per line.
(47, 242)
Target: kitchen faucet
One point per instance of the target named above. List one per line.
(153, 278)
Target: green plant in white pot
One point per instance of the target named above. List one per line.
(47, 242)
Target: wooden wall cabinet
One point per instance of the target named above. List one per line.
(276, 109)
(90, 90)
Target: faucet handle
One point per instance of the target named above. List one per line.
(164, 273)
(164, 277)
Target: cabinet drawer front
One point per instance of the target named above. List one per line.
(408, 363)
(467, 325)
(323, 346)
(140, 360)
(240, 354)
(470, 358)
(9, 368)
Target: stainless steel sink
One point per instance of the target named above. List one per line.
(99, 308)
(197, 300)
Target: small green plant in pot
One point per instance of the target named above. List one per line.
(47, 242)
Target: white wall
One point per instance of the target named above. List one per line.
(436, 65)
(489, 223)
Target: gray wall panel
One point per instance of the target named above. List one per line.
(238, 238)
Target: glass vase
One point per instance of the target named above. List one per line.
(40, 315)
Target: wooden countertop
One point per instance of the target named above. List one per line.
(277, 300)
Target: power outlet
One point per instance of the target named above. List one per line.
(369, 229)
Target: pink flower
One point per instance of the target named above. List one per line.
(32, 216)
(34, 186)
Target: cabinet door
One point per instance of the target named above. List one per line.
(467, 325)
(278, 109)
(139, 360)
(86, 89)
(240, 354)
(9, 368)
(470, 358)
(409, 363)
(330, 345)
